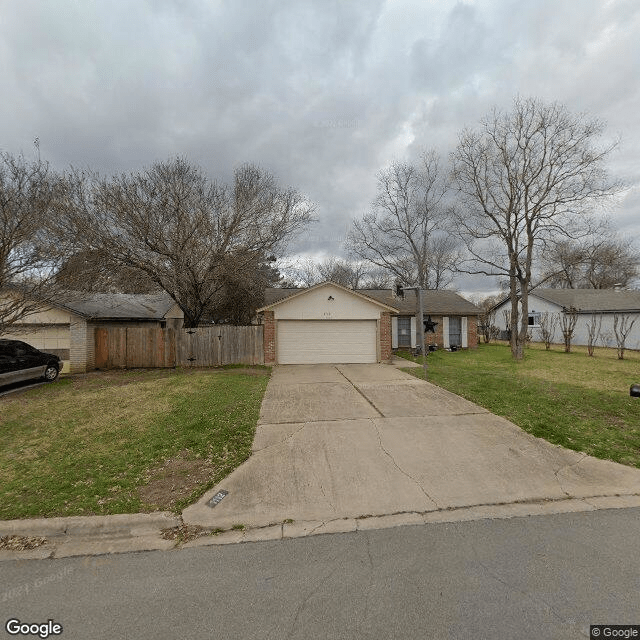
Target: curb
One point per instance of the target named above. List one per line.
(120, 524)
(101, 535)
(90, 535)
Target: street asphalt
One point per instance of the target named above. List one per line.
(542, 578)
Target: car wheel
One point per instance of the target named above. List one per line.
(50, 373)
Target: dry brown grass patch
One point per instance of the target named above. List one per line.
(176, 479)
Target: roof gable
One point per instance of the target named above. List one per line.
(296, 293)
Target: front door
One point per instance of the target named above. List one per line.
(455, 331)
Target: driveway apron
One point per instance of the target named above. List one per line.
(354, 441)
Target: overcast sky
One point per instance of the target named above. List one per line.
(324, 94)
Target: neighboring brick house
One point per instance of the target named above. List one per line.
(67, 328)
(316, 325)
(453, 318)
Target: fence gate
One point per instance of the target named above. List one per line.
(218, 345)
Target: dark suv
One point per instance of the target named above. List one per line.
(20, 361)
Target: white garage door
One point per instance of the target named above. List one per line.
(326, 341)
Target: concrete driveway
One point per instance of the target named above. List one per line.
(374, 446)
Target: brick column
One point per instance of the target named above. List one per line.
(434, 338)
(82, 347)
(385, 336)
(269, 338)
(472, 330)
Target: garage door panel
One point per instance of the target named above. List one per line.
(327, 341)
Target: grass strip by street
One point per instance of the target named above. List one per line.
(125, 441)
(570, 399)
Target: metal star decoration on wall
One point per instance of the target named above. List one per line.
(429, 325)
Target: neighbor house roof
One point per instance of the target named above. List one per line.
(435, 302)
(119, 306)
(590, 300)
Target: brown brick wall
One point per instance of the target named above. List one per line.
(385, 336)
(269, 338)
(473, 331)
(437, 338)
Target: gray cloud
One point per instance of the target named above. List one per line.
(322, 93)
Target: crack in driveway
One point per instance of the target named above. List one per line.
(399, 468)
(362, 394)
(563, 468)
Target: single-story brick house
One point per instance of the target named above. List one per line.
(67, 328)
(329, 323)
(604, 304)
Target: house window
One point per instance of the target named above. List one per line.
(404, 332)
(534, 319)
(455, 331)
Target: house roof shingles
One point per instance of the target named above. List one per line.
(588, 300)
(435, 302)
(120, 305)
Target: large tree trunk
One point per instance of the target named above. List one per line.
(513, 329)
(524, 322)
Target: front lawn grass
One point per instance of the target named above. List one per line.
(125, 441)
(570, 399)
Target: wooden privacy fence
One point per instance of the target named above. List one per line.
(222, 344)
(131, 347)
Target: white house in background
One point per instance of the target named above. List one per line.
(603, 303)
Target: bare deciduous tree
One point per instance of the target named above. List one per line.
(622, 325)
(548, 323)
(29, 257)
(487, 318)
(407, 231)
(173, 226)
(568, 320)
(600, 262)
(242, 292)
(593, 332)
(525, 179)
(377, 278)
(348, 274)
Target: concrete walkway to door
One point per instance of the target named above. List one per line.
(345, 447)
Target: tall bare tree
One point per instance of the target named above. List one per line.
(29, 258)
(600, 262)
(407, 233)
(349, 274)
(308, 272)
(526, 178)
(172, 226)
